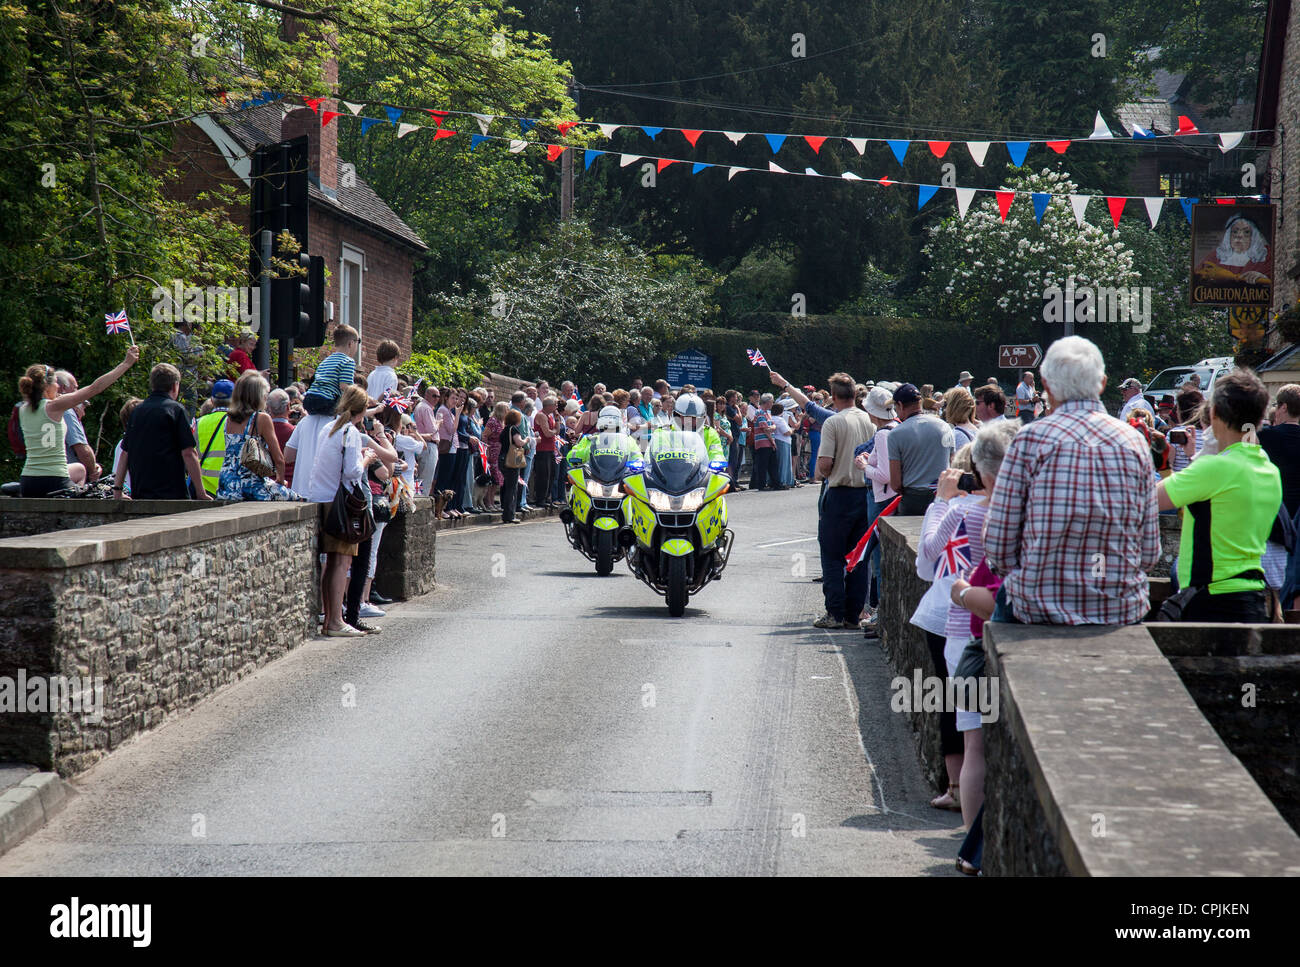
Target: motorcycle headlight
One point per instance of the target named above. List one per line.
(597, 489)
(689, 501)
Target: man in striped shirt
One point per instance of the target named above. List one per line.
(1072, 523)
(336, 370)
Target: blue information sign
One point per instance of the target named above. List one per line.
(692, 367)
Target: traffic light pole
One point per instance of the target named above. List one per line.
(263, 360)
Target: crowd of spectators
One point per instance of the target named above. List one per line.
(1050, 513)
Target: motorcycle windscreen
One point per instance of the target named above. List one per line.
(677, 461)
(607, 457)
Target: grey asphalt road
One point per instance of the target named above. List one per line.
(529, 717)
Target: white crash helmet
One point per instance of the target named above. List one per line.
(688, 405)
(610, 420)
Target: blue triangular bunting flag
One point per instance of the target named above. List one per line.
(775, 141)
(1187, 204)
(1142, 134)
(1017, 150)
(475, 140)
(589, 155)
(698, 167)
(923, 194)
(899, 148)
(393, 114)
(1041, 200)
(367, 124)
(526, 125)
(653, 132)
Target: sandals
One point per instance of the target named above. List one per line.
(950, 800)
(970, 869)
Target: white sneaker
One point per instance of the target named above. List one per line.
(368, 610)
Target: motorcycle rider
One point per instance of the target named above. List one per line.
(688, 415)
(610, 420)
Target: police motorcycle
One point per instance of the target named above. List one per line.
(676, 535)
(596, 467)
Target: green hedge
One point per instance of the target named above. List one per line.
(808, 350)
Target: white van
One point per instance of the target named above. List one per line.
(1169, 381)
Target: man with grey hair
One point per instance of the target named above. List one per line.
(76, 446)
(1072, 524)
(1131, 390)
(277, 405)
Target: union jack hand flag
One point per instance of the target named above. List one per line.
(955, 559)
(116, 322)
(756, 358)
(397, 402)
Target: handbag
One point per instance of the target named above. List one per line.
(349, 517)
(515, 458)
(255, 455)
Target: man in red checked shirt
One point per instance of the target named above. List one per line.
(544, 464)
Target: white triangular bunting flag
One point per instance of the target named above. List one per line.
(354, 108)
(1080, 205)
(1229, 140)
(735, 136)
(626, 159)
(608, 129)
(732, 172)
(517, 146)
(773, 166)
(964, 196)
(483, 121)
(1153, 208)
(850, 176)
(809, 171)
(859, 144)
(1099, 129)
(404, 129)
(978, 149)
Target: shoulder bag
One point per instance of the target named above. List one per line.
(255, 455)
(515, 459)
(348, 517)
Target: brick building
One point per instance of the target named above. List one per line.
(370, 254)
(1277, 118)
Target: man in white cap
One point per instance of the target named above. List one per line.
(964, 380)
(1131, 391)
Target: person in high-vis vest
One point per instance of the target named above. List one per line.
(210, 432)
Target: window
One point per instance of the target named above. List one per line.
(351, 266)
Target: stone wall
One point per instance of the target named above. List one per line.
(25, 516)
(166, 610)
(1248, 686)
(406, 565)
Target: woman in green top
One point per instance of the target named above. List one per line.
(1231, 500)
(41, 417)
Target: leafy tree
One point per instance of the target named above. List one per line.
(444, 368)
(582, 306)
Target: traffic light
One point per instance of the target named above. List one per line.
(290, 298)
(311, 329)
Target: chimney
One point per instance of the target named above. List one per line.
(323, 141)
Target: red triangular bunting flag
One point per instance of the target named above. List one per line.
(564, 127)
(1058, 146)
(663, 163)
(938, 148)
(884, 181)
(1005, 198)
(1185, 125)
(1116, 206)
(814, 142)
(691, 136)
(223, 98)
(553, 151)
(329, 116)
(313, 103)
(443, 133)
(438, 116)
(1226, 201)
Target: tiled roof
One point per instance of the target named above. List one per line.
(258, 125)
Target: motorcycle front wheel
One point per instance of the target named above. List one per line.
(604, 552)
(676, 581)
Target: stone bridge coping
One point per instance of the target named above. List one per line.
(1107, 729)
(116, 541)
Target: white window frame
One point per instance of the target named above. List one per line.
(351, 255)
